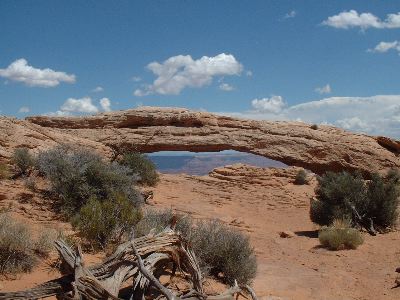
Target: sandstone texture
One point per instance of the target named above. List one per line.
(16, 133)
(151, 129)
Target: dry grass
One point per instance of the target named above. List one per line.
(340, 235)
(19, 251)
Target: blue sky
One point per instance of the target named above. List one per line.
(333, 62)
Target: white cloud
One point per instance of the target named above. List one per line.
(290, 14)
(20, 71)
(324, 89)
(82, 105)
(181, 71)
(351, 18)
(97, 89)
(136, 79)
(383, 47)
(249, 73)
(226, 87)
(376, 115)
(275, 104)
(105, 104)
(24, 109)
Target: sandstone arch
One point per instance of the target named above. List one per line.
(151, 129)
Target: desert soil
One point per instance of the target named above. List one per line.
(261, 203)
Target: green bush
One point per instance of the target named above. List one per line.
(340, 236)
(23, 160)
(314, 126)
(219, 248)
(301, 177)
(16, 254)
(141, 165)
(338, 193)
(106, 221)
(76, 175)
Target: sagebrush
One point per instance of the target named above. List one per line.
(76, 175)
(301, 177)
(219, 248)
(23, 160)
(107, 221)
(141, 165)
(344, 196)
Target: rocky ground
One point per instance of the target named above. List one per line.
(261, 203)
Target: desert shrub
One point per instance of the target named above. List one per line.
(340, 235)
(219, 248)
(383, 195)
(76, 175)
(106, 221)
(394, 175)
(4, 171)
(143, 166)
(45, 242)
(16, 254)
(23, 160)
(30, 183)
(314, 126)
(301, 177)
(338, 193)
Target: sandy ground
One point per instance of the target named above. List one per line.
(260, 203)
(288, 268)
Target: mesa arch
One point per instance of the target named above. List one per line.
(151, 129)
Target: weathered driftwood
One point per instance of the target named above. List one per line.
(138, 260)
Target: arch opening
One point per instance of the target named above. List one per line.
(201, 163)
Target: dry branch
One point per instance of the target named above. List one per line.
(137, 260)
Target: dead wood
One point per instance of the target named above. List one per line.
(138, 260)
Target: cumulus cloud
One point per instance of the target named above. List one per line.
(290, 14)
(82, 105)
(20, 71)
(326, 89)
(136, 79)
(97, 89)
(351, 19)
(383, 47)
(376, 115)
(275, 104)
(105, 104)
(24, 110)
(226, 87)
(181, 71)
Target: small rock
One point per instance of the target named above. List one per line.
(286, 234)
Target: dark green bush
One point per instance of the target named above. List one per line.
(23, 160)
(77, 175)
(314, 126)
(301, 177)
(219, 248)
(337, 193)
(141, 165)
(340, 236)
(106, 221)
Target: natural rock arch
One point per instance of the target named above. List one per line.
(151, 129)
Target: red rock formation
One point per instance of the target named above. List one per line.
(150, 129)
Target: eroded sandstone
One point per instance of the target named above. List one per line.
(151, 129)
